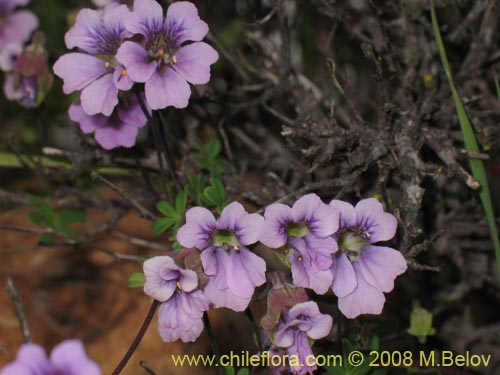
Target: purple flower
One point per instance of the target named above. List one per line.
(24, 90)
(15, 27)
(94, 70)
(67, 358)
(363, 272)
(306, 230)
(233, 271)
(180, 314)
(162, 61)
(119, 129)
(309, 215)
(103, 3)
(301, 323)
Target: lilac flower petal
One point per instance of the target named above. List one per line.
(111, 137)
(16, 368)
(180, 317)
(34, 357)
(371, 217)
(381, 265)
(193, 62)
(273, 233)
(121, 79)
(157, 287)
(88, 124)
(167, 88)
(188, 280)
(215, 262)
(321, 249)
(347, 213)
(9, 55)
(10, 5)
(301, 348)
(133, 114)
(101, 96)
(321, 327)
(365, 299)
(344, 277)
(212, 261)
(113, 17)
(146, 19)
(245, 271)
(224, 298)
(18, 26)
(230, 216)
(182, 16)
(82, 34)
(249, 228)
(135, 60)
(78, 70)
(69, 357)
(284, 337)
(322, 220)
(310, 277)
(197, 232)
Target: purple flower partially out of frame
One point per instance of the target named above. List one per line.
(67, 358)
(24, 91)
(119, 129)
(180, 314)
(302, 322)
(94, 70)
(162, 61)
(103, 3)
(363, 272)
(233, 270)
(15, 26)
(306, 229)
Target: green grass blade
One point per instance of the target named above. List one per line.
(477, 166)
(497, 86)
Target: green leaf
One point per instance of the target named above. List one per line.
(181, 203)
(420, 323)
(163, 224)
(243, 371)
(336, 370)
(47, 238)
(195, 187)
(228, 370)
(497, 87)
(67, 217)
(136, 280)
(37, 218)
(213, 148)
(477, 166)
(166, 209)
(373, 342)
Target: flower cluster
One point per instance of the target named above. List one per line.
(327, 247)
(27, 78)
(67, 358)
(118, 48)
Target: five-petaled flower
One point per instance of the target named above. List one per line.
(180, 314)
(67, 358)
(233, 270)
(305, 229)
(303, 322)
(94, 70)
(162, 60)
(363, 272)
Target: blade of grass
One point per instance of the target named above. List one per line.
(9, 160)
(497, 86)
(477, 166)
